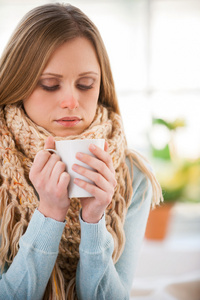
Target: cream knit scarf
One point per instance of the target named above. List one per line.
(20, 140)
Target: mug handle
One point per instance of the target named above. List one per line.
(52, 150)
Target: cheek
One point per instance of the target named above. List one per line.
(92, 106)
(94, 98)
(89, 100)
(34, 105)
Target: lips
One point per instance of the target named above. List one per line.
(69, 121)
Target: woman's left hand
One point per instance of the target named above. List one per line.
(104, 182)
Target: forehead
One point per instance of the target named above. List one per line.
(78, 53)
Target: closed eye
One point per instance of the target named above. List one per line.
(84, 87)
(50, 88)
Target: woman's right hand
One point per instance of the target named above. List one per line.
(51, 181)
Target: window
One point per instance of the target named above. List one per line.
(154, 49)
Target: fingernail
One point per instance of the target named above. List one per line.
(79, 155)
(76, 181)
(92, 147)
(75, 167)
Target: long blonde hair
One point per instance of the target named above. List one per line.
(37, 36)
(27, 53)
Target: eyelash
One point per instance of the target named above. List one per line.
(49, 88)
(56, 87)
(84, 87)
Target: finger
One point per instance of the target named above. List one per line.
(49, 143)
(103, 155)
(58, 169)
(95, 177)
(90, 188)
(106, 146)
(63, 181)
(49, 166)
(104, 197)
(40, 161)
(107, 172)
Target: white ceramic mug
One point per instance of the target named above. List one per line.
(67, 150)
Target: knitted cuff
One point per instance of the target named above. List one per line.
(94, 237)
(43, 233)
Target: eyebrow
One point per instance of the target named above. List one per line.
(81, 74)
(87, 73)
(52, 74)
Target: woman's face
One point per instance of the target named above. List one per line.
(65, 99)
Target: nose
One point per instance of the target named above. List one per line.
(69, 100)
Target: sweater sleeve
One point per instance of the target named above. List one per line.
(28, 275)
(97, 276)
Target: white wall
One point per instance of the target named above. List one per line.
(154, 49)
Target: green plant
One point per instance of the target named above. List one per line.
(179, 178)
(181, 181)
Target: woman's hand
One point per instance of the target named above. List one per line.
(50, 181)
(104, 182)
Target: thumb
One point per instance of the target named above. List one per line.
(49, 143)
(106, 146)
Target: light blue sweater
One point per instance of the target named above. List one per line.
(97, 278)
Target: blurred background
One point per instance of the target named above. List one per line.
(154, 50)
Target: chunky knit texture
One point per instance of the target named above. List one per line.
(20, 140)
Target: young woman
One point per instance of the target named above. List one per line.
(56, 83)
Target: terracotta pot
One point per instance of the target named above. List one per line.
(157, 224)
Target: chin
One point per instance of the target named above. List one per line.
(66, 133)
